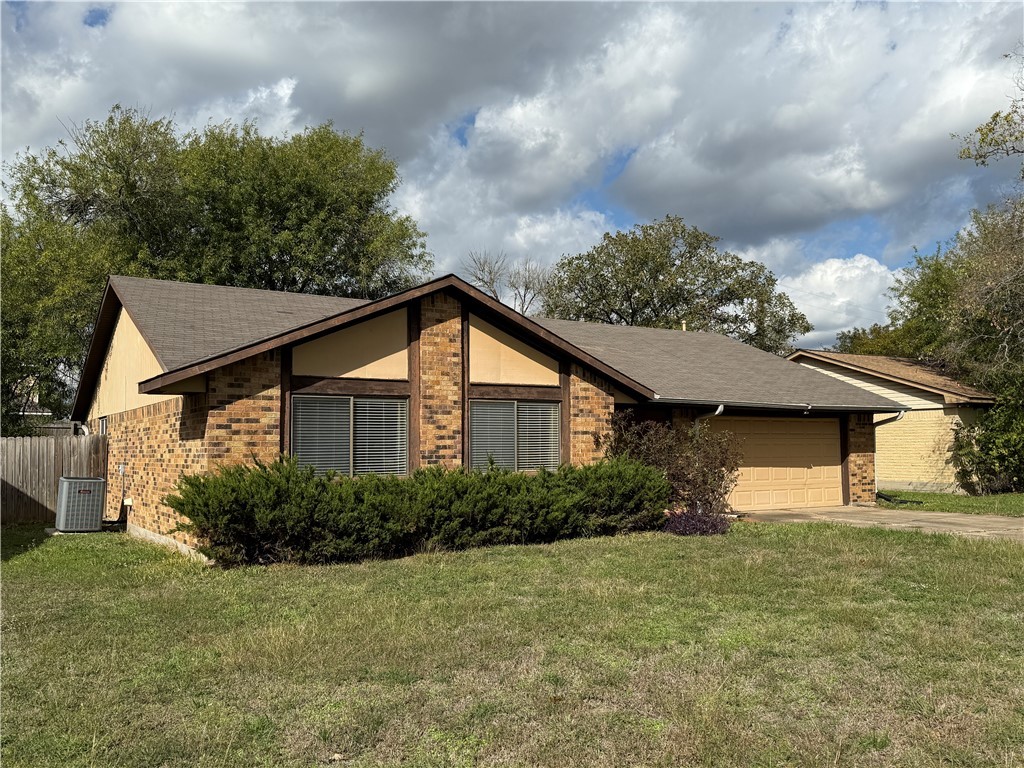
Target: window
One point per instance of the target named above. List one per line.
(351, 435)
(103, 425)
(519, 435)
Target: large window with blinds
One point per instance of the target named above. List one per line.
(351, 435)
(514, 434)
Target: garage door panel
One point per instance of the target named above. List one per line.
(786, 462)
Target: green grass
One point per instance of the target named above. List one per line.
(802, 645)
(1004, 504)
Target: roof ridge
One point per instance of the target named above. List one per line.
(135, 278)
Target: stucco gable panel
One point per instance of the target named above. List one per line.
(128, 361)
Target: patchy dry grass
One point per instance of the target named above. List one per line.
(775, 645)
(1003, 504)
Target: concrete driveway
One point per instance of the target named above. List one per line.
(973, 526)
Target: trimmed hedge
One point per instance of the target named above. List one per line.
(281, 512)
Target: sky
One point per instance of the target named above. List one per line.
(812, 137)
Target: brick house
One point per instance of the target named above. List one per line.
(913, 445)
(183, 377)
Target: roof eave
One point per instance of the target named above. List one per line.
(891, 408)
(949, 396)
(92, 365)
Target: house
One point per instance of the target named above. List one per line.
(912, 446)
(181, 377)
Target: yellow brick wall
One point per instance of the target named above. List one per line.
(914, 452)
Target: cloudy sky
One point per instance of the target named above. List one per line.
(813, 137)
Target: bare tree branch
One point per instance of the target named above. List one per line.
(487, 271)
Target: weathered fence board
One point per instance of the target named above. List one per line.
(30, 468)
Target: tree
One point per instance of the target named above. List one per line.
(521, 284)
(134, 195)
(1002, 135)
(487, 271)
(920, 315)
(665, 274)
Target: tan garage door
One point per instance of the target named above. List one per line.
(786, 462)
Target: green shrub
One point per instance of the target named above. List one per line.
(281, 512)
(701, 466)
(989, 455)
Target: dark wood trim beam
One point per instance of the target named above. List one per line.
(311, 385)
(514, 392)
(466, 389)
(413, 315)
(565, 425)
(286, 400)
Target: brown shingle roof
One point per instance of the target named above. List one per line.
(709, 368)
(184, 322)
(903, 369)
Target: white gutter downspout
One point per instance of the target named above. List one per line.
(892, 419)
(718, 412)
(84, 428)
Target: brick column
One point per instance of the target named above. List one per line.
(440, 381)
(591, 405)
(859, 458)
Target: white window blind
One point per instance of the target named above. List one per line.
(322, 432)
(492, 433)
(381, 429)
(537, 435)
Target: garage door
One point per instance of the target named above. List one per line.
(786, 462)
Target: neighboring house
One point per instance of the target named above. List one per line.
(912, 446)
(182, 377)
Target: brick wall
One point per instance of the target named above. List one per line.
(237, 418)
(244, 402)
(440, 381)
(156, 444)
(914, 453)
(591, 405)
(860, 458)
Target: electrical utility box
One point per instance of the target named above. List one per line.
(80, 502)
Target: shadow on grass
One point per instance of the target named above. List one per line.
(18, 539)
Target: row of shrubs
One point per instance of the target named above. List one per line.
(281, 512)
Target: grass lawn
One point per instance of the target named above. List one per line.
(1004, 504)
(807, 645)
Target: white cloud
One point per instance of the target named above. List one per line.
(837, 294)
(762, 124)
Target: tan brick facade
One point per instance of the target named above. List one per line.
(244, 404)
(237, 419)
(440, 383)
(591, 405)
(860, 458)
(915, 452)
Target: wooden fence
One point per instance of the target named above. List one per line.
(30, 468)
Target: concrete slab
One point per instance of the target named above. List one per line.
(972, 526)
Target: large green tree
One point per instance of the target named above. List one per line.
(667, 273)
(135, 195)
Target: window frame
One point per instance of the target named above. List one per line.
(404, 399)
(515, 431)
